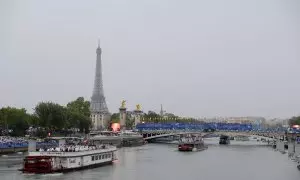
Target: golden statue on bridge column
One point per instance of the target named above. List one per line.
(123, 104)
(138, 107)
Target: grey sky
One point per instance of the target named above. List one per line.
(197, 58)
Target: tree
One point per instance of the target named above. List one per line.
(80, 105)
(152, 117)
(115, 118)
(33, 120)
(14, 119)
(294, 121)
(79, 121)
(78, 113)
(129, 122)
(52, 116)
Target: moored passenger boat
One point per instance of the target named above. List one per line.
(67, 158)
(224, 139)
(191, 143)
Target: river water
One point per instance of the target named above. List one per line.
(238, 161)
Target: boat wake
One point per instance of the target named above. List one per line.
(47, 175)
(53, 174)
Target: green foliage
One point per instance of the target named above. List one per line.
(78, 114)
(115, 118)
(167, 118)
(80, 105)
(56, 117)
(48, 115)
(152, 117)
(33, 120)
(14, 119)
(294, 121)
(129, 122)
(51, 115)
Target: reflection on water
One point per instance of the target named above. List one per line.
(240, 160)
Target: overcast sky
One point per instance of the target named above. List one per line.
(197, 58)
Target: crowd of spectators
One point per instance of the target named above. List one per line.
(22, 142)
(12, 142)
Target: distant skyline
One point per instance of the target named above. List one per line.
(197, 58)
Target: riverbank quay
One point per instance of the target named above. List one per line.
(13, 150)
(293, 147)
(120, 141)
(293, 140)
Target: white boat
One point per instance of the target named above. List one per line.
(191, 143)
(67, 158)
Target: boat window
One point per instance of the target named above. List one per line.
(93, 158)
(96, 157)
(30, 161)
(103, 156)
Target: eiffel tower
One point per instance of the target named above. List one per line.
(99, 111)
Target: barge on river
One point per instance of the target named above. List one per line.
(191, 143)
(224, 139)
(68, 158)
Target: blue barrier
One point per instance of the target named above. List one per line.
(6, 145)
(294, 130)
(203, 126)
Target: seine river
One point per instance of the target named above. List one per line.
(237, 161)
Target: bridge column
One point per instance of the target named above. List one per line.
(137, 115)
(122, 117)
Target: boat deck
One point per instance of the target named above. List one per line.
(71, 154)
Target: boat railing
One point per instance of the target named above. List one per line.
(76, 148)
(190, 139)
(70, 153)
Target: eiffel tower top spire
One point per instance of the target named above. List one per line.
(98, 103)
